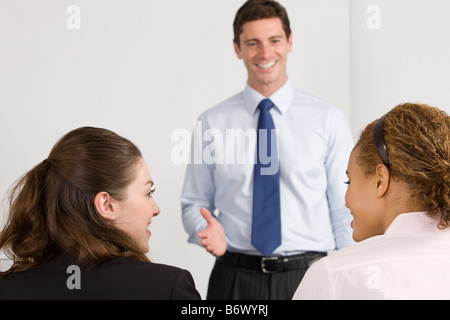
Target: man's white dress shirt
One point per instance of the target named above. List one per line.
(314, 142)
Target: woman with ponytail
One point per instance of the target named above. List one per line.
(78, 226)
(399, 197)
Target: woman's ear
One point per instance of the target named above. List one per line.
(105, 205)
(382, 177)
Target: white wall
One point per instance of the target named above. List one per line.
(406, 60)
(145, 68)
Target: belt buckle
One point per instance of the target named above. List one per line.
(263, 264)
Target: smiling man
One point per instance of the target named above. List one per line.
(264, 45)
(270, 225)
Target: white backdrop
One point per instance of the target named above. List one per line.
(144, 68)
(406, 59)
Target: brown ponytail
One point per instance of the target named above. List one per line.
(52, 206)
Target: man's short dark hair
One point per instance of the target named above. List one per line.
(253, 10)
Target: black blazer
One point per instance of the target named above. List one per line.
(121, 278)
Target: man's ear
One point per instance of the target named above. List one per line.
(290, 42)
(237, 50)
(105, 205)
(382, 179)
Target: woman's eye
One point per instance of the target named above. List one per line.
(150, 194)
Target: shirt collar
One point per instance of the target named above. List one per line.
(281, 98)
(413, 223)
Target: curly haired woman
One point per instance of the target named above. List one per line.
(399, 197)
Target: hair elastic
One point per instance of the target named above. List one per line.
(47, 162)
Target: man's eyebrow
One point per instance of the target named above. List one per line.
(251, 40)
(277, 36)
(270, 38)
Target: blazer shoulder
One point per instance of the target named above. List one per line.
(151, 280)
(120, 278)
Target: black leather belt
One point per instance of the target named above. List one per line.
(271, 264)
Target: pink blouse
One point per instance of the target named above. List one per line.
(410, 261)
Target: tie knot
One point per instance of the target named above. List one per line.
(265, 105)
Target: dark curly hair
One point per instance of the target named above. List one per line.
(417, 139)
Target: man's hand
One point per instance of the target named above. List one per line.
(213, 237)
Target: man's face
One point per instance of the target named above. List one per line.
(264, 48)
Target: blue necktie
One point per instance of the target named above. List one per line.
(266, 223)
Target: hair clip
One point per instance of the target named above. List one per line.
(378, 139)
